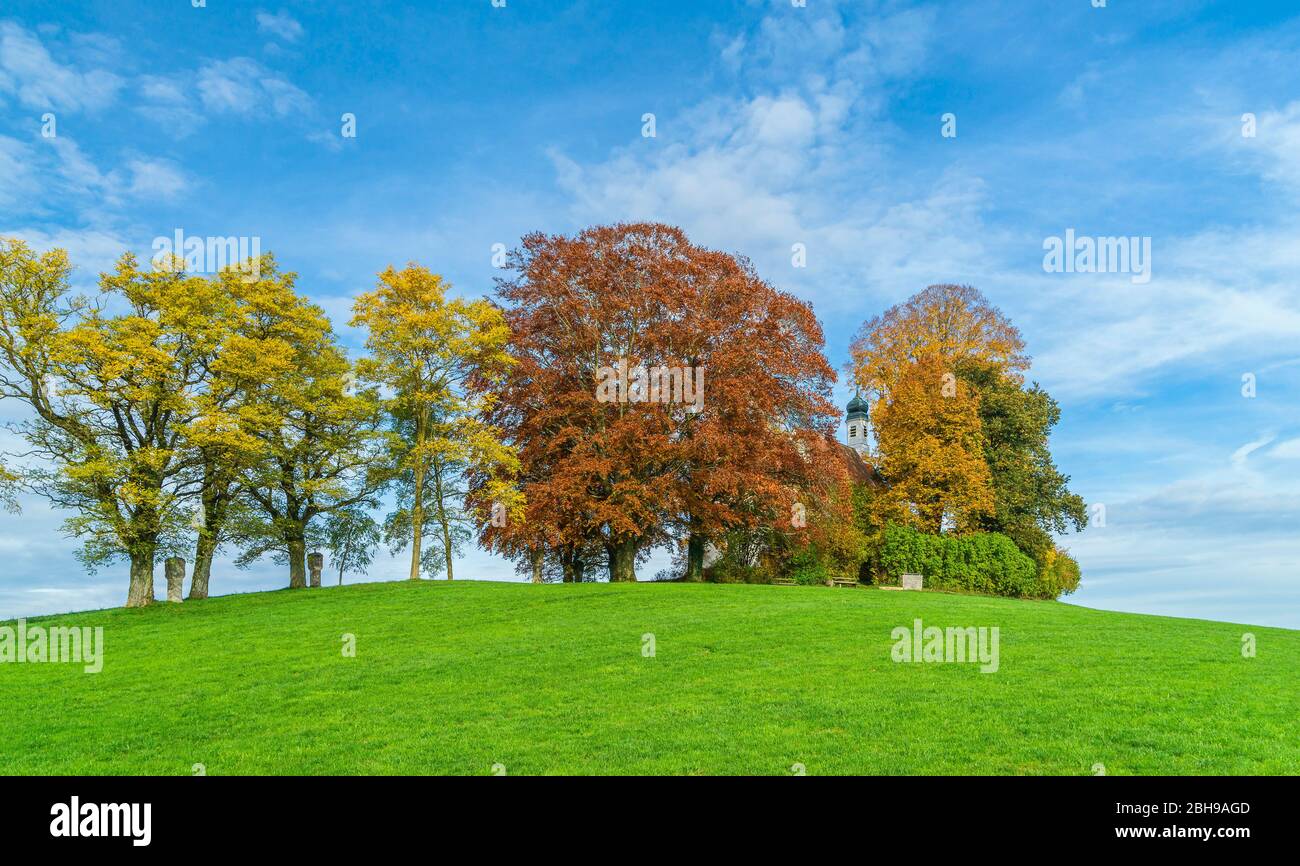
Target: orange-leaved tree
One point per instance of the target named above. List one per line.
(660, 392)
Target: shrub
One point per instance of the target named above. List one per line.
(1058, 574)
(807, 569)
(985, 562)
(727, 570)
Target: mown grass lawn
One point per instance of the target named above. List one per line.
(455, 678)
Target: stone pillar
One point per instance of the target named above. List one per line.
(174, 567)
(315, 565)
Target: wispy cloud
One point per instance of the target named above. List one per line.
(281, 25)
(1243, 453)
(1288, 450)
(31, 76)
(243, 86)
(157, 179)
(796, 163)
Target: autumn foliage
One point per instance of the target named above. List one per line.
(616, 478)
(961, 442)
(626, 390)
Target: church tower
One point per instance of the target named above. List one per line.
(856, 419)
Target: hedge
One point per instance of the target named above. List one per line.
(986, 562)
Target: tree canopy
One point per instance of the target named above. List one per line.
(425, 350)
(625, 390)
(662, 393)
(962, 442)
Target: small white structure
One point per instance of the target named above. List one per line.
(912, 581)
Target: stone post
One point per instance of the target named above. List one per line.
(315, 565)
(174, 568)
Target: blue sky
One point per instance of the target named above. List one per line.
(775, 125)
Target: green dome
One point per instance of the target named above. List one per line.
(857, 405)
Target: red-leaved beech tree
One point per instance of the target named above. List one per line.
(661, 393)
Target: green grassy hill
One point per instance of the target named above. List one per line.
(454, 678)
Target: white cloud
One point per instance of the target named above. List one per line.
(784, 122)
(29, 74)
(79, 172)
(243, 86)
(238, 86)
(281, 25)
(1288, 450)
(167, 102)
(285, 98)
(17, 176)
(802, 160)
(796, 163)
(179, 101)
(156, 179)
(1118, 335)
(1217, 543)
(1240, 456)
(329, 139)
(1276, 146)
(40, 178)
(809, 157)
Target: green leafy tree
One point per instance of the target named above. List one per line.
(351, 536)
(1031, 497)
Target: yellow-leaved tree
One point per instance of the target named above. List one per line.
(946, 322)
(932, 450)
(929, 434)
(256, 352)
(112, 383)
(317, 441)
(424, 348)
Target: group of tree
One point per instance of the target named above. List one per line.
(960, 438)
(174, 412)
(625, 390)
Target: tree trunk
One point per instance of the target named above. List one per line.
(695, 557)
(569, 566)
(215, 499)
(140, 593)
(297, 563)
(417, 497)
(202, 565)
(446, 541)
(417, 523)
(535, 556)
(440, 502)
(622, 560)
